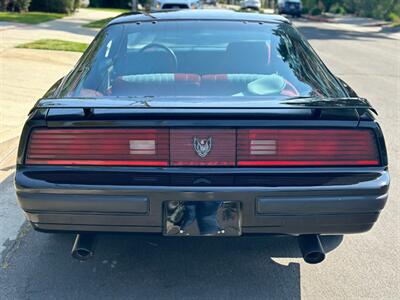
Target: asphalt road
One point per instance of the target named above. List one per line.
(366, 266)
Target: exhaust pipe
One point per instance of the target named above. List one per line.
(311, 248)
(83, 247)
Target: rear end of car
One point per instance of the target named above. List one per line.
(221, 127)
(211, 2)
(290, 7)
(118, 169)
(251, 4)
(175, 4)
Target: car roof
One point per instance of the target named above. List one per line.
(198, 14)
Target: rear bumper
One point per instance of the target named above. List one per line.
(328, 209)
(252, 6)
(290, 11)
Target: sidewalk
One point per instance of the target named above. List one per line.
(68, 28)
(26, 74)
(237, 8)
(352, 23)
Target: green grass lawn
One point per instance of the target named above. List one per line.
(98, 24)
(395, 24)
(30, 17)
(59, 45)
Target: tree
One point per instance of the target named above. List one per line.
(392, 5)
(15, 5)
(4, 5)
(327, 4)
(380, 9)
(59, 6)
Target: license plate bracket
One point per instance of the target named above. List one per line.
(202, 218)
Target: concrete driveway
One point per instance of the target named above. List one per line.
(25, 74)
(366, 266)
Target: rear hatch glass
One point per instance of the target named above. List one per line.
(202, 59)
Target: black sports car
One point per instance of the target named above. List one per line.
(211, 123)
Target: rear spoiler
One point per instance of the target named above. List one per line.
(200, 103)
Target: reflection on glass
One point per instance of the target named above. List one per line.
(200, 59)
(202, 218)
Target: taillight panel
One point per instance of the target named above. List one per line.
(132, 147)
(306, 147)
(203, 147)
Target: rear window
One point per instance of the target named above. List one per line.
(200, 59)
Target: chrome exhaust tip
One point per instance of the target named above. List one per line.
(83, 247)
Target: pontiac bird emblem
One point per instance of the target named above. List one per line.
(202, 146)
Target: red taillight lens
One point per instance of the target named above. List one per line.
(203, 147)
(305, 147)
(133, 147)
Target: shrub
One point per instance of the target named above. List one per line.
(315, 11)
(4, 4)
(393, 17)
(351, 6)
(110, 3)
(22, 5)
(58, 6)
(118, 3)
(337, 9)
(15, 5)
(305, 10)
(77, 4)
